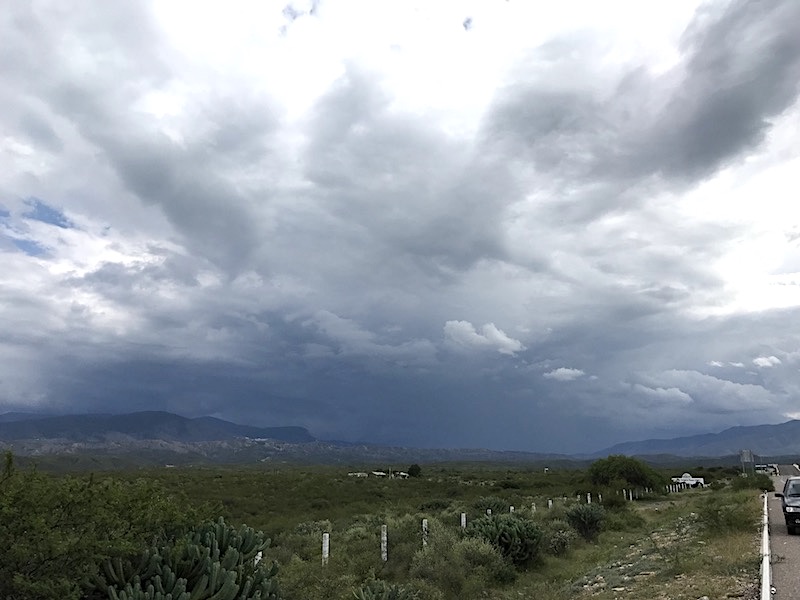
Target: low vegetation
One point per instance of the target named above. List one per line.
(256, 533)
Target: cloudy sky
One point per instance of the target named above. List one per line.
(503, 224)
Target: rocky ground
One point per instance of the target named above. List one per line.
(668, 565)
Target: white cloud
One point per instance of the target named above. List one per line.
(662, 394)
(766, 361)
(563, 182)
(564, 374)
(463, 334)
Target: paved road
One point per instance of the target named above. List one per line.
(785, 548)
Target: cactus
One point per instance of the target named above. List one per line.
(168, 587)
(517, 538)
(213, 561)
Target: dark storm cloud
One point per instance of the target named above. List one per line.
(403, 186)
(740, 67)
(375, 277)
(741, 70)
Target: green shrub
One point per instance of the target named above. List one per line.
(614, 501)
(623, 520)
(724, 512)
(558, 537)
(493, 503)
(517, 538)
(56, 531)
(377, 589)
(313, 527)
(510, 484)
(759, 481)
(460, 567)
(435, 505)
(304, 580)
(586, 519)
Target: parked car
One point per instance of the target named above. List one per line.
(790, 502)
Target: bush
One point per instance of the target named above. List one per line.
(759, 481)
(377, 589)
(435, 505)
(614, 501)
(493, 503)
(518, 539)
(623, 520)
(558, 537)
(586, 519)
(459, 567)
(725, 512)
(316, 528)
(56, 531)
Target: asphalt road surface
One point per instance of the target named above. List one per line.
(785, 548)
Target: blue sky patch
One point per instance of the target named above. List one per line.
(30, 247)
(46, 214)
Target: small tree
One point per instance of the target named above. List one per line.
(620, 468)
(414, 470)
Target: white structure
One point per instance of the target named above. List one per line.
(687, 480)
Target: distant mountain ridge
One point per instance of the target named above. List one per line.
(167, 437)
(147, 425)
(764, 440)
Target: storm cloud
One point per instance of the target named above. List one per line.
(555, 229)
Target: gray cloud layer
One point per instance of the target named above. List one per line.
(368, 274)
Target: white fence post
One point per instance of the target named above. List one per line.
(384, 544)
(326, 548)
(550, 503)
(588, 497)
(533, 507)
(600, 498)
(489, 512)
(511, 509)
(424, 532)
(463, 520)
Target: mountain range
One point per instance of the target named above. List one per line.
(161, 437)
(764, 440)
(149, 425)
